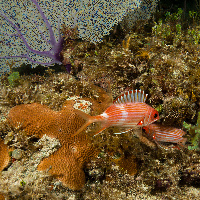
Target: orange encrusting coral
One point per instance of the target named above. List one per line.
(2, 197)
(4, 156)
(4, 159)
(37, 119)
(68, 162)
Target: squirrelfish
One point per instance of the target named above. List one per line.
(129, 110)
(162, 133)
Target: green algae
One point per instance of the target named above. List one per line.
(194, 131)
(172, 29)
(14, 78)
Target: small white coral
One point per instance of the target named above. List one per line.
(83, 105)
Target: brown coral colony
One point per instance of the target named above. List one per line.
(4, 158)
(66, 163)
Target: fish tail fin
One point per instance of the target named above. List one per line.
(89, 119)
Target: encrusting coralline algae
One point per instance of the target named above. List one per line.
(22, 177)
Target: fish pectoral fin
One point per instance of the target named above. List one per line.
(138, 132)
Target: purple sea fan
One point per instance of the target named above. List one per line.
(95, 18)
(30, 32)
(30, 29)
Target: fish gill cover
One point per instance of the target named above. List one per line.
(30, 30)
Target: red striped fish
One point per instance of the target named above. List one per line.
(129, 110)
(165, 134)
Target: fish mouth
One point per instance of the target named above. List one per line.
(149, 119)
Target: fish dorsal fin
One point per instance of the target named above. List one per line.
(131, 96)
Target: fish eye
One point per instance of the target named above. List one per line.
(156, 115)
